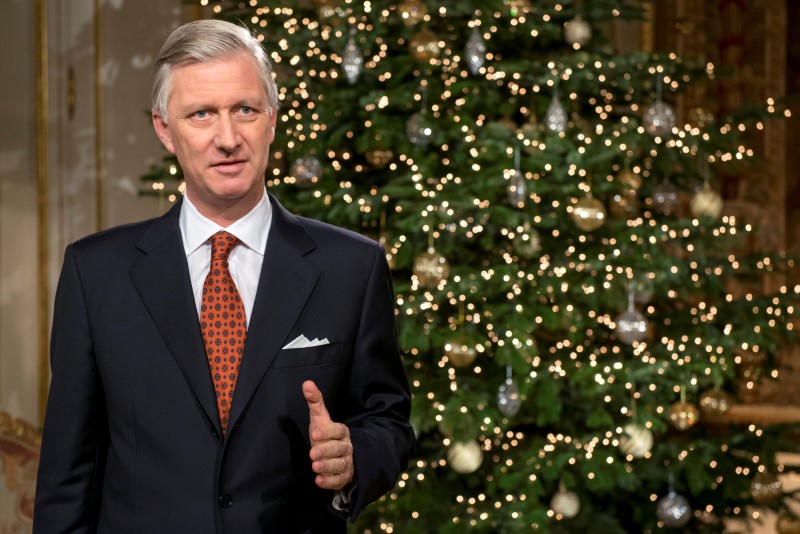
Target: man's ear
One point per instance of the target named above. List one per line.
(162, 131)
(273, 117)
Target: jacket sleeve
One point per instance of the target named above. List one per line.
(74, 442)
(380, 431)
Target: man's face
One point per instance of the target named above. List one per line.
(219, 125)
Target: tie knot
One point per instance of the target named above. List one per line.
(221, 245)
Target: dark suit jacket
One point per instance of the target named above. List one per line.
(132, 439)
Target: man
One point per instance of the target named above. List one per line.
(228, 367)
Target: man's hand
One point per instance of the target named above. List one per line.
(331, 450)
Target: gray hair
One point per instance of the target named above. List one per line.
(204, 40)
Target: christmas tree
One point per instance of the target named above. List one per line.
(572, 301)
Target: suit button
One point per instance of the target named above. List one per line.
(214, 432)
(225, 501)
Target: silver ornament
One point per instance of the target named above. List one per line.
(353, 61)
(665, 197)
(556, 116)
(631, 325)
(419, 129)
(674, 510)
(567, 503)
(508, 400)
(475, 51)
(306, 172)
(707, 203)
(517, 189)
(659, 119)
(637, 440)
(465, 456)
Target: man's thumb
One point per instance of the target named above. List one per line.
(316, 404)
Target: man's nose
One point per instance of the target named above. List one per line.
(226, 138)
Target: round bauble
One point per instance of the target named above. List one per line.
(424, 46)
(630, 180)
(465, 457)
(659, 119)
(459, 353)
(419, 129)
(787, 524)
(379, 158)
(306, 172)
(589, 214)
(707, 203)
(411, 12)
(665, 197)
(683, 415)
(636, 441)
(430, 268)
(765, 488)
(508, 399)
(624, 205)
(715, 404)
(566, 503)
(631, 326)
(577, 31)
(674, 510)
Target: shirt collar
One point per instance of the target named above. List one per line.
(251, 230)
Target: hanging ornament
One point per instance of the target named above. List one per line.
(419, 129)
(412, 12)
(556, 117)
(682, 414)
(326, 8)
(665, 197)
(588, 213)
(631, 325)
(766, 489)
(624, 205)
(707, 203)
(424, 46)
(787, 524)
(508, 400)
(517, 185)
(430, 268)
(460, 353)
(577, 32)
(566, 503)
(630, 181)
(475, 51)
(527, 243)
(674, 510)
(379, 158)
(636, 441)
(353, 60)
(659, 118)
(715, 404)
(306, 172)
(465, 457)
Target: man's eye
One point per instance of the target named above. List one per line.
(202, 114)
(246, 110)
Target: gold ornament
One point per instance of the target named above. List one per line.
(567, 503)
(459, 353)
(683, 415)
(715, 404)
(465, 457)
(424, 46)
(430, 268)
(788, 524)
(707, 203)
(411, 12)
(624, 205)
(589, 213)
(637, 440)
(379, 158)
(630, 180)
(765, 488)
(577, 31)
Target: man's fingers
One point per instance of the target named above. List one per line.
(333, 482)
(316, 404)
(331, 466)
(331, 449)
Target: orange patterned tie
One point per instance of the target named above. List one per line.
(222, 320)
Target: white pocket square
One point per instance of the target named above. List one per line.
(302, 342)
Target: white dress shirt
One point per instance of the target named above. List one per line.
(245, 260)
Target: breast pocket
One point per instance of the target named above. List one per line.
(320, 355)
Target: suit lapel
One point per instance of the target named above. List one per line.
(286, 281)
(162, 278)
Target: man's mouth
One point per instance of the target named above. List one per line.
(229, 166)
